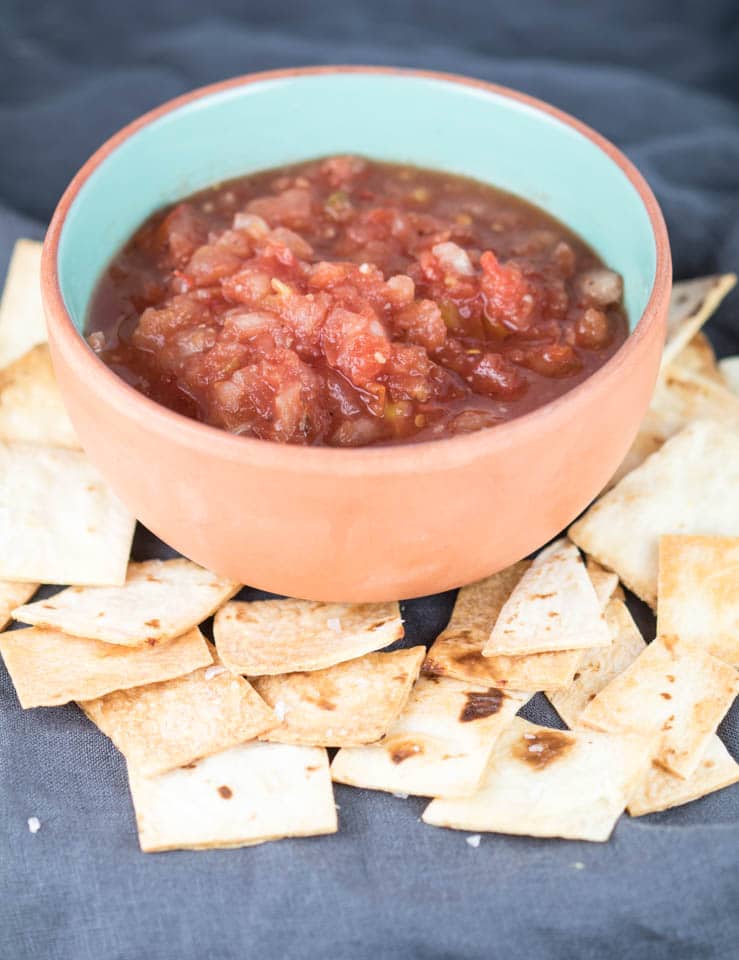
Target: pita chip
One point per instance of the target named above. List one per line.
(347, 705)
(31, 407)
(22, 323)
(245, 795)
(284, 636)
(597, 667)
(672, 689)
(549, 783)
(688, 487)
(171, 723)
(457, 651)
(160, 599)
(11, 595)
(49, 668)
(699, 593)
(691, 304)
(729, 369)
(59, 522)
(661, 790)
(553, 607)
(438, 746)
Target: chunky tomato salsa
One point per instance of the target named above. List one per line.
(349, 302)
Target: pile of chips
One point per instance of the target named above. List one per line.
(227, 743)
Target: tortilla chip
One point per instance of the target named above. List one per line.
(697, 356)
(164, 725)
(59, 522)
(699, 593)
(605, 582)
(457, 651)
(11, 594)
(160, 599)
(599, 666)
(661, 790)
(553, 607)
(242, 796)
(652, 434)
(284, 636)
(549, 783)
(49, 668)
(691, 304)
(22, 323)
(680, 397)
(689, 486)
(31, 407)
(729, 369)
(672, 688)
(346, 705)
(438, 746)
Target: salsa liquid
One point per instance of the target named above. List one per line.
(347, 302)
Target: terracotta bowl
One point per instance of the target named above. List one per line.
(373, 523)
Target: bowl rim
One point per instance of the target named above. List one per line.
(440, 453)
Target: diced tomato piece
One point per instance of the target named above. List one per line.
(508, 297)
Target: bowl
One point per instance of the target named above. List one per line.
(373, 523)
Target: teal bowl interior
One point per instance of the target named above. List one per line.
(407, 118)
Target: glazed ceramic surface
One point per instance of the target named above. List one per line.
(371, 523)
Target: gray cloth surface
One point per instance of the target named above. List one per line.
(660, 79)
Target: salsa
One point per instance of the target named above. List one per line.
(346, 302)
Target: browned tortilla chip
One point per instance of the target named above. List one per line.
(661, 790)
(599, 666)
(22, 323)
(672, 689)
(549, 783)
(12, 594)
(160, 599)
(282, 636)
(691, 304)
(31, 407)
(729, 369)
(49, 668)
(689, 486)
(59, 522)
(249, 794)
(697, 356)
(680, 396)
(457, 651)
(438, 746)
(346, 705)
(553, 607)
(171, 723)
(699, 592)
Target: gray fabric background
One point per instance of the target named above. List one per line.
(658, 77)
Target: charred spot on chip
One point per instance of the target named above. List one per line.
(576, 676)
(189, 766)
(481, 705)
(666, 696)
(542, 748)
(225, 792)
(543, 596)
(152, 641)
(404, 749)
(312, 769)
(154, 623)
